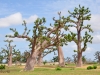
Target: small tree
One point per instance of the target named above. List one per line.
(16, 56)
(75, 58)
(83, 59)
(44, 62)
(97, 56)
(55, 59)
(80, 15)
(8, 52)
(68, 60)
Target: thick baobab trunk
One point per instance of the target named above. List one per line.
(10, 61)
(10, 58)
(40, 59)
(61, 57)
(79, 60)
(31, 61)
(79, 53)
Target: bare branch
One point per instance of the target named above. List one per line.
(25, 29)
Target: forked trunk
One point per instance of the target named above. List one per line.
(61, 57)
(40, 59)
(31, 61)
(79, 60)
(10, 58)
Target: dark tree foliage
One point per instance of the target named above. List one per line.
(1, 57)
(25, 55)
(55, 59)
(16, 55)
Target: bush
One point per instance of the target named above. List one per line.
(66, 64)
(53, 64)
(2, 67)
(89, 67)
(94, 67)
(58, 69)
(44, 62)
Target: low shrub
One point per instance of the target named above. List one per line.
(89, 67)
(66, 64)
(94, 67)
(44, 62)
(58, 69)
(2, 67)
(53, 64)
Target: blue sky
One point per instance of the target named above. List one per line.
(13, 12)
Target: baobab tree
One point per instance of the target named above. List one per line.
(77, 19)
(41, 39)
(8, 52)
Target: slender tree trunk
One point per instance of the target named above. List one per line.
(40, 59)
(61, 57)
(31, 61)
(10, 58)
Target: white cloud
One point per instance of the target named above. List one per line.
(89, 50)
(74, 46)
(96, 38)
(31, 19)
(16, 39)
(95, 22)
(64, 12)
(16, 19)
(73, 29)
(10, 20)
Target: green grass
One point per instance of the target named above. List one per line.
(15, 70)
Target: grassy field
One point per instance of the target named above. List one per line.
(50, 70)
